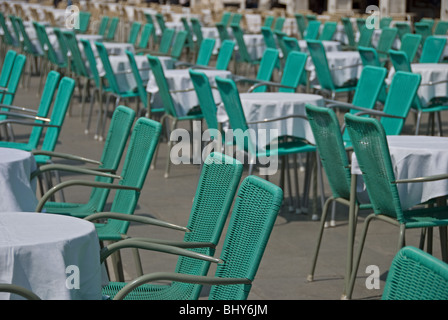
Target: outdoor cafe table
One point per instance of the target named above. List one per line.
(55, 256)
(413, 157)
(259, 106)
(17, 192)
(179, 80)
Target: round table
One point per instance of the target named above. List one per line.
(179, 80)
(270, 105)
(55, 256)
(17, 192)
(413, 157)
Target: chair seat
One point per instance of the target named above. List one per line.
(16, 145)
(144, 292)
(79, 210)
(287, 148)
(426, 218)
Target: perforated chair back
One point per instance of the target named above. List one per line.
(250, 227)
(386, 41)
(301, 23)
(268, 37)
(205, 52)
(7, 36)
(400, 61)
(14, 80)
(293, 71)
(328, 31)
(222, 31)
(424, 29)
(104, 23)
(433, 49)
(369, 56)
(84, 22)
(403, 29)
(7, 66)
(410, 44)
(111, 31)
(242, 48)
(279, 23)
(77, 60)
(166, 41)
(441, 28)
(92, 69)
(348, 28)
(110, 75)
(269, 21)
(225, 54)
(134, 32)
(145, 36)
(416, 275)
(179, 44)
(365, 36)
(267, 65)
(138, 79)
(197, 30)
(161, 21)
(319, 58)
(312, 30)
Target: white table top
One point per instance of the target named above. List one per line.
(55, 256)
(179, 79)
(270, 105)
(413, 157)
(17, 192)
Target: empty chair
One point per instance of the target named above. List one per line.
(441, 28)
(432, 50)
(312, 30)
(403, 29)
(410, 43)
(328, 31)
(386, 41)
(301, 24)
(423, 29)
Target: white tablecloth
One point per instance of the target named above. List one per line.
(255, 45)
(55, 256)
(413, 157)
(179, 79)
(17, 192)
(270, 105)
(330, 46)
(336, 59)
(430, 72)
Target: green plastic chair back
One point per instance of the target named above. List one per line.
(429, 21)
(15, 29)
(319, 57)
(279, 23)
(7, 36)
(269, 22)
(111, 31)
(147, 31)
(327, 134)
(360, 23)
(403, 29)
(225, 18)
(416, 275)
(291, 43)
(424, 29)
(432, 49)
(386, 41)
(222, 31)
(441, 28)
(84, 21)
(236, 19)
(28, 46)
(369, 56)
(90, 55)
(134, 32)
(293, 71)
(166, 40)
(14, 80)
(7, 66)
(312, 30)
(63, 48)
(78, 64)
(206, 101)
(149, 18)
(348, 28)
(279, 36)
(328, 31)
(60, 106)
(400, 61)
(365, 37)
(410, 44)
(310, 17)
(242, 48)
(197, 30)
(225, 54)
(385, 22)
(179, 44)
(250, 226)
(138, 79)
(142, 145)
(117, 137)
(47, 96)
(218, 182)
(45, 43)
(161, 21)
(267, 65)
(110, 75)
(301, 23)
(401, 95)
(268, 37)
(104, 23)
(190, 41)
(205, 52)
(164, 91)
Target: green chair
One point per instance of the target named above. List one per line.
(104, 23)
(143, 142)
(369, 57)
(323, 71)
(218, 182)
(332, 153)
(385, 22)
(365, 37)
(197, 31)
(360, 23)
(432, 49)
(291, 43)
(371, 148)
(312, 30)
(328, 31)
(84, 22)
(348, 28)
(113, 149)
(416, 275)
(134, 32)
(225, 18)
(141, 88)
(8, 92)
(115, 91)
(204, 55)
(161, 21)
(168, 104)
(8, 40)
(165, 44)
(236, 19)
(301, 24)
(269, 21)
(243, 53)
(403, 29)
(441, 28)
(250, 226)
(145, 37)
(410, 43)
(429, 21)
(225, 54)
(423, 29)
(7, 65)
(178, 45)
(268, 37)
(190, 42)
(18, 115)
(279, 23)
(112, 29)
(385, 42)
(222, 32)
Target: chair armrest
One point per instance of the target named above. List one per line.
(65, 156)
(268, 83)
(68, 168)
(71, 183)
(180, 244)
(135, 218)
(27, 123)
(18, 108)
(423, 179)
(24, 116)
(278, 119)
(346, 67)
(433, 83)
(204, 280)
